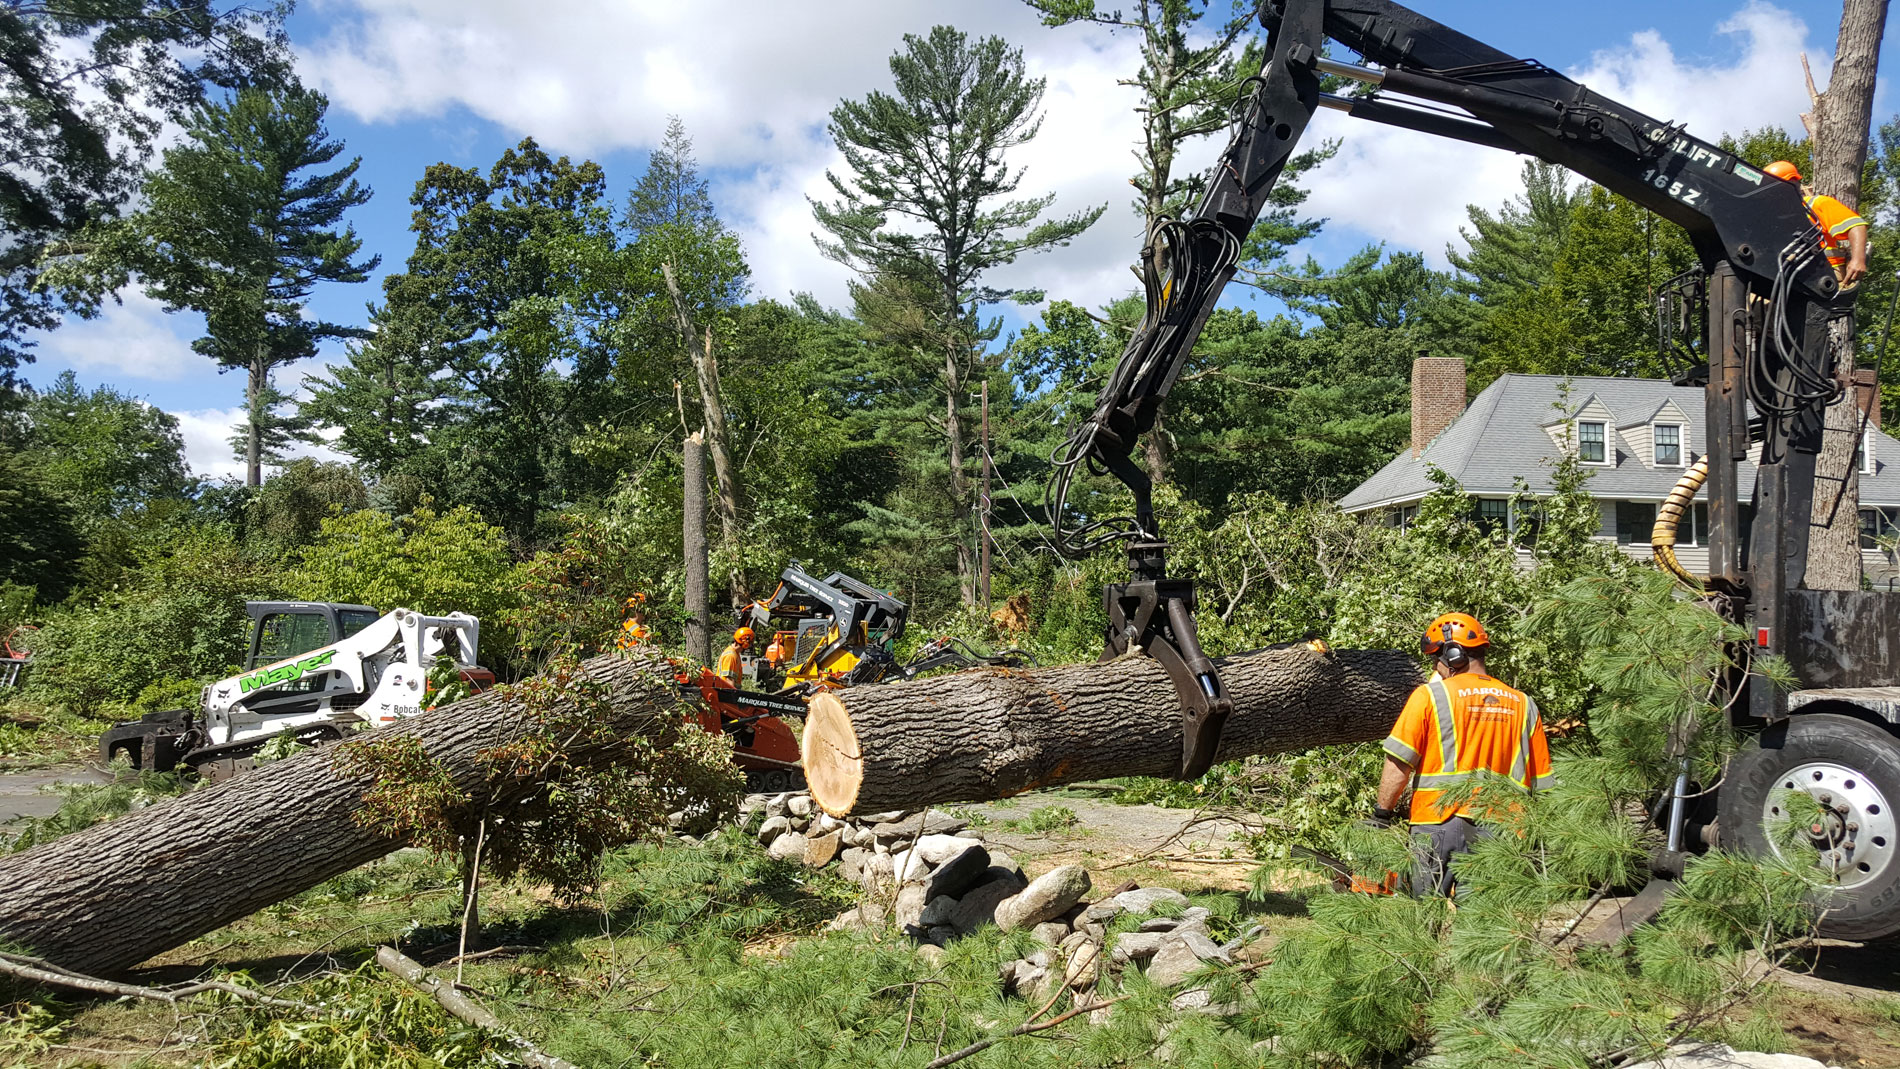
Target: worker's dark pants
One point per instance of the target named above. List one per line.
(1433, 847)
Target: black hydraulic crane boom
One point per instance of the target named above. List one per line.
(1751, 231)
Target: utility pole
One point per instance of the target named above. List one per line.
(983, 583)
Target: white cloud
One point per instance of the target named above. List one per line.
(1411, 189)
(755, 83)
(207, 435)
(137, 340)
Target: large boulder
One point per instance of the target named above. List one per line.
(1047, 897)
(789, 847)
(978, 906)
(820, 850)
(1180, 954)
(1145, 899)
(960, 871)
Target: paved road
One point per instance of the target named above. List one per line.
(25, 794)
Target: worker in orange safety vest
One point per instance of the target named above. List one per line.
(1843, 231)
(1461, 724)
(732, 660)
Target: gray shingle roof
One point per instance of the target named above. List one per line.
(1502, 437)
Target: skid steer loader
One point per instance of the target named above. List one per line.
(314, 671)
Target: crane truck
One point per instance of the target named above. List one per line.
(1761, 304)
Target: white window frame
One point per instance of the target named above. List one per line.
(1682, 445)
(1609, 448)
(1867, 452)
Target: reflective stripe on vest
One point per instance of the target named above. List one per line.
(1520, 766)
(1447, 773)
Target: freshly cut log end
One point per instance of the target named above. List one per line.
(990, 733)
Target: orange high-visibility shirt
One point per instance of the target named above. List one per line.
(731, 665)
(1454, 727)
(1836, 220)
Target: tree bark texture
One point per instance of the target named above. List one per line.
(959, 484)
(698, 607)
(102, 900)
(699, 349)
(990, 733)
(1837, 128)
(258, 379)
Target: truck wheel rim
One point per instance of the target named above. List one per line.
(1855, 838)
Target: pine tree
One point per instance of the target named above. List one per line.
(935, 154)
(239, 227)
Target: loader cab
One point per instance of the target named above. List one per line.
(283, 629)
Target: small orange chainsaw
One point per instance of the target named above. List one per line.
(1344, 879)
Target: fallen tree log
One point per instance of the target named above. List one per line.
(991, 733)
(104, 899)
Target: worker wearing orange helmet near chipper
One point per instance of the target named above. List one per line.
(1461, 724)
(1843, 231)
(732, 660)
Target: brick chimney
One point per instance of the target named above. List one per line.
(1438, 397)
(1866, 395)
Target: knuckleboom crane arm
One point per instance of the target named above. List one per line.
(1751, 231)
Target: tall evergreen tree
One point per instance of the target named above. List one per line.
(241, 224)
(935, 156)
(84, 90)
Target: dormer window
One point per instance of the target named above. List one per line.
(1668, 438)
(1591, 443)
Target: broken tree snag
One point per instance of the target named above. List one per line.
(102, 900)
(991, 733)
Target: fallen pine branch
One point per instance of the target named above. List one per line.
(40, 971)
(463, 1008)
(1020, 1030)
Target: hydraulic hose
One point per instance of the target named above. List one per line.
(1662, 538)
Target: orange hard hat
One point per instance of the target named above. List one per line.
(1783, 170)
(743, 636)
(1456, 627)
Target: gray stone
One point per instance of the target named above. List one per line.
(1049, 932)
(997, 872)
(826, 823)
(862, 837)
(1071, 941)
(799, 805)
(933, 824)
(1145, 899)
(1047, 896)
(938, 849)
(851, 863)
(970, 833)
(1137, 946)
(1097, 932)
(1158, 924)
(819, 851)
(1000, 860)
(865, 915)
(1717, 1056)
(1180, 954)
(909, 866)
(1103, 912)
(931, 953)
(772, 829)
(1200, 1000)
(889, 816)
(778, 801)
(937, 911)
(960, 871)
(1083, 962)
(909, 908)
(788, 847)
(877, 870)
(1196, 913)
(978, 906)
(939, 934)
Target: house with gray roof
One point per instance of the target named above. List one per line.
(1636, 436)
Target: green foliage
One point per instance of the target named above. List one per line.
(374, 1020)
(40, 544)
(103, 453)
(289, 509)
(87, 89)
(179, 616)
(426, 561)
(569, 810)
(87, 804)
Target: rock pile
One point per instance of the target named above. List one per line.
(935, 878)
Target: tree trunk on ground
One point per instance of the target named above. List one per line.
(992, 733)
(699, 349)
(1837, 126)
(698, 612)
(102, 900)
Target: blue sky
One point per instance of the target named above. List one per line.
(414, 82)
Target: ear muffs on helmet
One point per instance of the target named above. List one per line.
(1454, 656)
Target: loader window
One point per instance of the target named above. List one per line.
(286, 634)
(350, 621)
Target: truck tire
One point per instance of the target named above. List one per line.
(1841, 762)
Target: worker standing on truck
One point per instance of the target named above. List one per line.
(732, 660)
(1843, 231)
(1462, 723)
